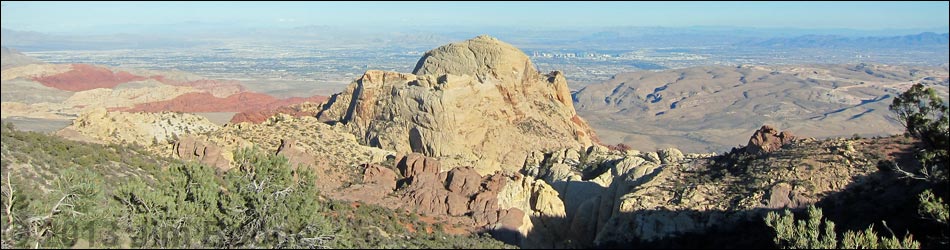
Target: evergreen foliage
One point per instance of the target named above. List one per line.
(926, 116)
(810, 234)
(163, 203)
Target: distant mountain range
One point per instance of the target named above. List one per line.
(598, 38)
(927, 39)
(36, 41)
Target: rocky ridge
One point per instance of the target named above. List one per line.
(477, 103)
(297, 110)
(530, 174)
(614, 198)
(136, 128)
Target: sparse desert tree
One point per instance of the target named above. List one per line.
(925, 117)
(270, 204)
(57, 217)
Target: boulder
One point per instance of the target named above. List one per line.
(457, 204)
(380, 176)
(670, 156)
(416, 164)
(295, 155)
(783, 195)
(464, 181)
(768, 139)
(428, 199)
(191, 148)
(653, 157)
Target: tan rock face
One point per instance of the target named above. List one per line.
(484, 57)
(303, 140)
(191, 148)
(147, 91)
(295, 155)
(34, 70)
(477, 103)
(156, 129)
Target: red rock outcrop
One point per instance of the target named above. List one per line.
(86, 77)
(380, 176)
(464, 181)
(206, 102)
(216, 87)
(297, 108)
(415, 165)
(457, 192)
(768, 139)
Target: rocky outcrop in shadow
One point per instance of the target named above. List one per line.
(768, 139)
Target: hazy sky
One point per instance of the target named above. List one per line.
(69, 17)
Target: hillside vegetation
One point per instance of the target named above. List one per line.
(59, 193)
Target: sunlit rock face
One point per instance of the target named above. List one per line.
(477, 103)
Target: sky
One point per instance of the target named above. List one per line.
(99, 17)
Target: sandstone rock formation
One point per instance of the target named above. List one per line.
(206, 102)
(303, 140)
(121, 97)
(63, 91)
(574, 197)
(191, 148)
(86, 77)
(157, 129)
(768, 139)
(511, 206)
(617, 197)
(543, 223)
(216, 88)
(41, 110)
(455, 192)
(45, 102)
(31, 71)
(592, 197)
(307, 108)
(30, 92)
(382, 177)
(477, 103)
